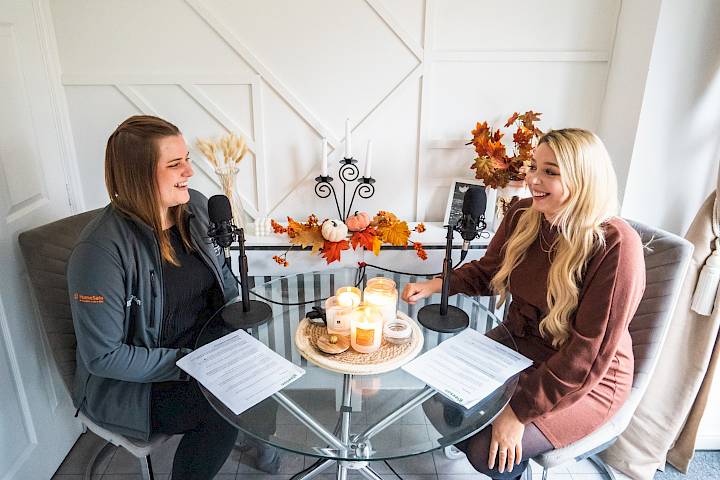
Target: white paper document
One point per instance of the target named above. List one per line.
(467, 367)
(239, 370)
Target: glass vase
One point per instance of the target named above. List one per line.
(228, 179)
(513, 191)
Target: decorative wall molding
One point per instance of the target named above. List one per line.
(515, 56)
(421, 72)
(395, 28)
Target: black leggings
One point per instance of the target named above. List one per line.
(180, 407)
(477, 450)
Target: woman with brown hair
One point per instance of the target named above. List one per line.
(576, 274)
(143, 279)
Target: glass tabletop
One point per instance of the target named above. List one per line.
(344, 417)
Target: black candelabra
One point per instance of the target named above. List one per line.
(348, 173)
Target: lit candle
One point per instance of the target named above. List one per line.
(324, 157)
(348, 139)
(347, 296)
(381, 293)
(331, 307)
(368, 159)
(366, 329)
(342, 319)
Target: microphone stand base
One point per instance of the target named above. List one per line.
(454, 321)
(257, 314)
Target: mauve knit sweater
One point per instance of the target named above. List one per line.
(571, 391)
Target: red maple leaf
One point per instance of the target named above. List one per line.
(331, 250)
(364, 238)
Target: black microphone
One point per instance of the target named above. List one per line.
(221, 230)
(248, 313)
(443, 317)
(472, 221)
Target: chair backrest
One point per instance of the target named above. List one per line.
(667, 257)
(46, 250)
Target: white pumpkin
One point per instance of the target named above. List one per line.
(334, 230)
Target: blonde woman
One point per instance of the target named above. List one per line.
(576, 275)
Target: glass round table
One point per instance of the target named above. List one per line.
(350, 420)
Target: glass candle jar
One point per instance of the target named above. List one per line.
(366, 329)
(331, 307)
(347, 296)
(381, 293)
(397, 331)
(341, 321)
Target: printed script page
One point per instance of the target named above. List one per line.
(239, 370)
(467, 367)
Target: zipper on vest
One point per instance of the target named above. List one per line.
(154, 293)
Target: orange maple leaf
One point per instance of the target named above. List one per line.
(309, 237)
(395, 234)
(294, 227)
(331, 250)
(377, 243)
(364, 238)
(512, 119)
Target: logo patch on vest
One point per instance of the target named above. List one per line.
(88, 298)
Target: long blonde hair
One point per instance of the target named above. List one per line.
(588, 175)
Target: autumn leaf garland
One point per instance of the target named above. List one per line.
(385, 227)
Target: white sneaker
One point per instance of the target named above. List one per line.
(453, 453)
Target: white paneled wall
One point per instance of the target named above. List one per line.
(412, 75)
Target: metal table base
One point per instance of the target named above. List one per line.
(353, 453)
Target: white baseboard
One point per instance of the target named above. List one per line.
(708, 442)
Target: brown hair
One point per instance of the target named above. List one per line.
(131, 159)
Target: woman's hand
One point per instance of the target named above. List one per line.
(506, 441)
(417, 291)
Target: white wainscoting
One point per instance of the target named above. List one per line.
(408, 73)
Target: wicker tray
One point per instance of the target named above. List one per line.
(388, 357)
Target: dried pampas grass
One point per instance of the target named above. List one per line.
(232, 147)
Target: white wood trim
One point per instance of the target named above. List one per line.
(413, 74)
(509, 56)
(205, 13)
(258, 115)
(395, 28)
(87, 79)
(214, 110)
(61, 116)
(707, 442)
(243, 52)
(17, 381)
(599, 113)
(424, 110)
(136, 100)
(19, 462)
(51, 367)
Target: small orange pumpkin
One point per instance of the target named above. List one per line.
(358, 222)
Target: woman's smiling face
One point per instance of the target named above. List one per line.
(543, 179)
(173, 172)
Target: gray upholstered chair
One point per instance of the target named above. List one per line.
(667, 257)
(46, 250)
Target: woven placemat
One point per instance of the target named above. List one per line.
(388, 357)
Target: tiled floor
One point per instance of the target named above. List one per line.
(431, 466)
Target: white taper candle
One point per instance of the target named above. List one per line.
(368, 159)
(324, 159)
(348, 139)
